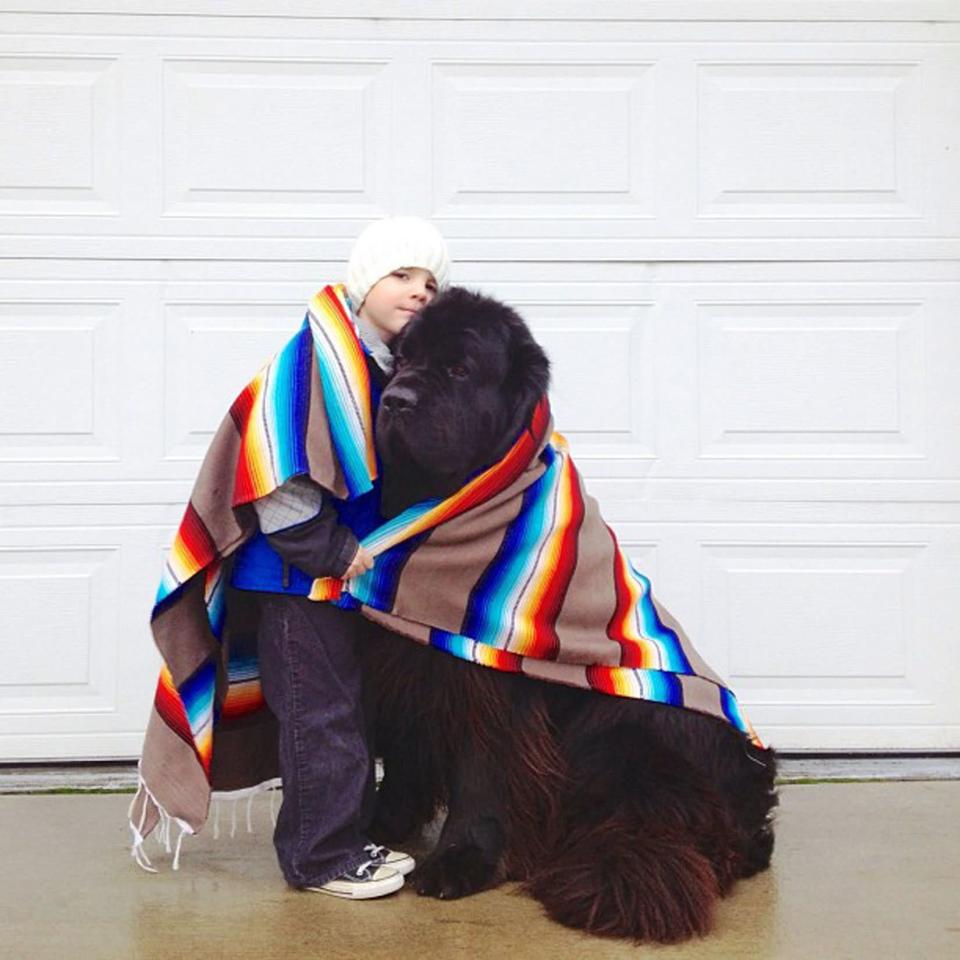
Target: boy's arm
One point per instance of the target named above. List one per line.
(301, 524)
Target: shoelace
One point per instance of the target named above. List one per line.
(375, 850)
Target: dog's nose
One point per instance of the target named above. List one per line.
(399, 399)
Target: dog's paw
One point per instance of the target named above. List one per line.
(456, 871)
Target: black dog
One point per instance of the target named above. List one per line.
(622, 817)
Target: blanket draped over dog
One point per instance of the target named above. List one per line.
(516, 571)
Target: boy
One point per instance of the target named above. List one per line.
(309, 664)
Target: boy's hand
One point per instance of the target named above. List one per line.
(362, 562)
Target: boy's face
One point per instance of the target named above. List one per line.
(395, 298)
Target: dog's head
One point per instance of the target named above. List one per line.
(468, 374)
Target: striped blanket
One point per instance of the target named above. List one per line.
(515, 571)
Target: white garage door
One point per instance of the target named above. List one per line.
(733, 225)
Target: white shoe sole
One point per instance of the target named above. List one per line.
(362, 891)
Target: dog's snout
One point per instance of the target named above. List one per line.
(399, 399)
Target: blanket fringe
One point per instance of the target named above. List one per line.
(162, 830)
(233, 797)
(166, 819)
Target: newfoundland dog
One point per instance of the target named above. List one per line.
(622, 817)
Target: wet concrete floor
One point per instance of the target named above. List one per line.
(861, 870)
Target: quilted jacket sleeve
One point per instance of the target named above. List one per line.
(301, 524)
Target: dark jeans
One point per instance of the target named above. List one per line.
(313, 683)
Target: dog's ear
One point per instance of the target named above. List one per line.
(529, 376)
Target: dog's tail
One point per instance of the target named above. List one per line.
(613, 880)
(646, 850)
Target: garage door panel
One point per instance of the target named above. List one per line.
(821, 140)
(812, 380)
(827, 382)
(61, 383)
(522, 139)
(65, 159)
(674, 379)
(276, 138)
(80, 665)
(556, 141)
(749, 380)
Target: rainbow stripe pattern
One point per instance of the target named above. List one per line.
(512, 611)
(270, 417)
(516, 603)
(511, 617)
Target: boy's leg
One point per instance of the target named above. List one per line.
(312, 681)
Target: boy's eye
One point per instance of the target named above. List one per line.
(457, 370)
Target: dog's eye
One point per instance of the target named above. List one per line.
(457, 370)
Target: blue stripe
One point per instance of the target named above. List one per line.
(216, 606)
(241, 669)
(455, 643)
(488, 603)
(663, 687)
(672, 655)
(197, 695)
(731, 709)
(346, 430)
(378, 587)
(288, 407)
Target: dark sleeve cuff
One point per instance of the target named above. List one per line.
(320, 547)
(348, 551)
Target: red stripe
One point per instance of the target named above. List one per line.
(243, 489)
(240, 703)
(194, 535)
(170, 707)
(505, 660)
(241, 407)
(631, 655)
(601, 678)
(514, 463)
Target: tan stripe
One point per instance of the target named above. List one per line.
(568, 673)
(435, 584)
(700, 694)
(591, 598)
(172, 772)
(324, 466)
(213, 491)
(182, 632)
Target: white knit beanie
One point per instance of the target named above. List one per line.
(395, 242)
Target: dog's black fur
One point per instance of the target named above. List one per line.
(622, 817)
